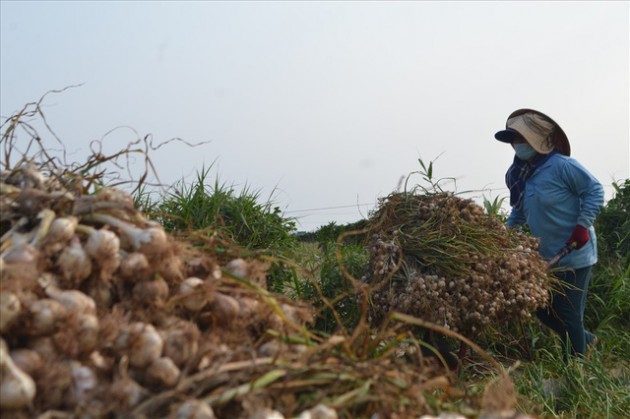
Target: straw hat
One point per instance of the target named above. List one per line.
(540, 131)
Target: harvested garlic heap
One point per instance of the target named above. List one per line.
(101, 311)
(460, 268)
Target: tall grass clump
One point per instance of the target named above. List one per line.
(609, 292)
(613, 227)
(239, 215)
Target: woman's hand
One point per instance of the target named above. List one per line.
(579, 237)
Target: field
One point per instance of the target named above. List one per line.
(204, 301)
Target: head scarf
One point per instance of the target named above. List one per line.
(518, 174)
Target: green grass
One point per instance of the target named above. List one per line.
(239, 215)
(237, 218)
(329, 284)
(596, 387)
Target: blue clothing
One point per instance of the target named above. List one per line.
(560, 194)
(517, 176)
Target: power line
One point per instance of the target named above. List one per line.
(327, 208)
(371, 203)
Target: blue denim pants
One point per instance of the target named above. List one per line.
(565, 315)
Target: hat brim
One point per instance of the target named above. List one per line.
(507, 135)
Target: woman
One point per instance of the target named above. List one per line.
(559, 200)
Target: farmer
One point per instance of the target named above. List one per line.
(559, 200)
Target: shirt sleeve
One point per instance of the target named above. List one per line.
(516, 218)
(590, 191)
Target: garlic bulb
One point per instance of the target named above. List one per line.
(62, 229)
(27, 360)
(194, 409)
(125, 393)
(296, 314)
(10, 308)
(151, 291)
(20, 263)
(108, 194)
(46, 316)
(60, 232)
(193, 293)
(226, 309)
(20, 253)
(73, 300)
(171, 268)
(141, 342)
(248, 306)
(151, 241)
(135, 267)
(44, 346)
(84, 383)
(320, 411)
(80, 335)
(162, 372)
(53, 383)
(267, 413)
(181, 342)
(238, 267)
(17, 389)
(104, 246)
(272, 348)
(74, 263)
(101, 292)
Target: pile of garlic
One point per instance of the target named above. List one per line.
(100, 310)
(460, 268)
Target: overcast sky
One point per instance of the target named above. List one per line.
(325, 105)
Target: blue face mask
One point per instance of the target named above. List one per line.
(524, 151)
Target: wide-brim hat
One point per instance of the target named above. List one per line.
(540, 131)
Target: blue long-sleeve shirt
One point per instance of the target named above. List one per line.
(560, 194)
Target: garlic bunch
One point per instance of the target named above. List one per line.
(89, 284)
(457, 270)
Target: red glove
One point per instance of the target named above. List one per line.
(579, 237)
